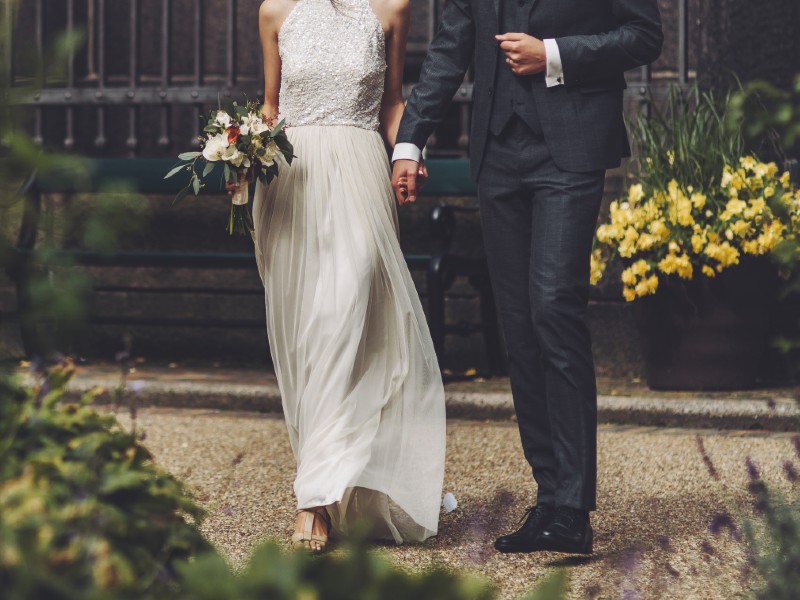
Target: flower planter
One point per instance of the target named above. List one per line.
(709, 334)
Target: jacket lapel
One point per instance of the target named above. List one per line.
(531, 5)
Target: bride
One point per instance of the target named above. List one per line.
(361, 387)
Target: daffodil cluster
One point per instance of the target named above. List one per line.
(685, 232)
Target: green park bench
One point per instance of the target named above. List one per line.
(449, 178)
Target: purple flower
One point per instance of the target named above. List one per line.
(791, 472)
(752, 470)
(721, 520)
(712, 470)
(672, 570)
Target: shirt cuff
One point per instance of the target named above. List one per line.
(406, 151)
(555, 71)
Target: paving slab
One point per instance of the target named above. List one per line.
(255, 389)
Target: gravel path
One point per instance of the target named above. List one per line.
(656, 499)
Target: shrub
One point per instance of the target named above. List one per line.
(84, 511)
(774, 536)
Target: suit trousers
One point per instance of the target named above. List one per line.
(538, 224)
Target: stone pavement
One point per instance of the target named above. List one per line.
(620, 401)
(656, 498)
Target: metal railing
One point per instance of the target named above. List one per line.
(176, 83)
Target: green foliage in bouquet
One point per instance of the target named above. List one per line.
(700, 201)
(84, 511)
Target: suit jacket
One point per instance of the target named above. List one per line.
(582, 121)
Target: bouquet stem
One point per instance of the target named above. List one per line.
(240, 221)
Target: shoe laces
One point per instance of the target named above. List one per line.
(531, 511)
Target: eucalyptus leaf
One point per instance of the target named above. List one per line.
(182, 195)
(277, 129)
(175, 171)
(188, 155)
(208, 168)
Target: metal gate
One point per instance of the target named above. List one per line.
(150, 68)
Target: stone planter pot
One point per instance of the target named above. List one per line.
(709, 334)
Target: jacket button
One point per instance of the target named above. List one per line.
(491, 91)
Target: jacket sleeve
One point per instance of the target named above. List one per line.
(636, 40)
(449, 56)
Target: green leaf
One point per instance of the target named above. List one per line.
(278, 128)
(209, 167)
(175, 171)
(122, 480)
(182, 195)
(552, 587)
(227, 171)
(196, 185)
(188, 155)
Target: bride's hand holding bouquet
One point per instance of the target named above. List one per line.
(249, 146)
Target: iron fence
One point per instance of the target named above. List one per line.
(150, 68)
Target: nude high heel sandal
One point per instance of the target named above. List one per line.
(313, 542)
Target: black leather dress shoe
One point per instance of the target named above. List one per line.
(569, 531)
(524, 539)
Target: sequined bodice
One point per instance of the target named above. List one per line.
(333, 61)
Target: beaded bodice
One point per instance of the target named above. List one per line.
(333, 61)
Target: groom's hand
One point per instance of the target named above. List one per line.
(407, 177)
(525, 54)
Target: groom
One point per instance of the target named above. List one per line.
(546, 124)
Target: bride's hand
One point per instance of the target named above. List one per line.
(422, 175)
(244, 176)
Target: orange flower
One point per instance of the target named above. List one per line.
(233, 134)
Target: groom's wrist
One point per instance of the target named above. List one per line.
(406, 151)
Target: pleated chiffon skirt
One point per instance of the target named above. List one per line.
(361, 387)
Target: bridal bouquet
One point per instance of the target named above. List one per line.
(247, 145)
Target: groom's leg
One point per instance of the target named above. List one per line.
(564, 217)
(506, 214)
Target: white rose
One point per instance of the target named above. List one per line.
(215, 147)
(269, 157)
(258, 126)
(223, 119)
(236, 158)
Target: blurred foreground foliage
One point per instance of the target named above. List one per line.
(775, 541)
(84, 510)
(87, 514)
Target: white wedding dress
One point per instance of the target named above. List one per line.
(362, 391)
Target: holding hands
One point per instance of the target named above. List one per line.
(408, 177)
(525, 54)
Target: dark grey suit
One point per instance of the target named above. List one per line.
(539, 156)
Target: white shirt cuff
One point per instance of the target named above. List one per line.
(406, 151)
(555, 72)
